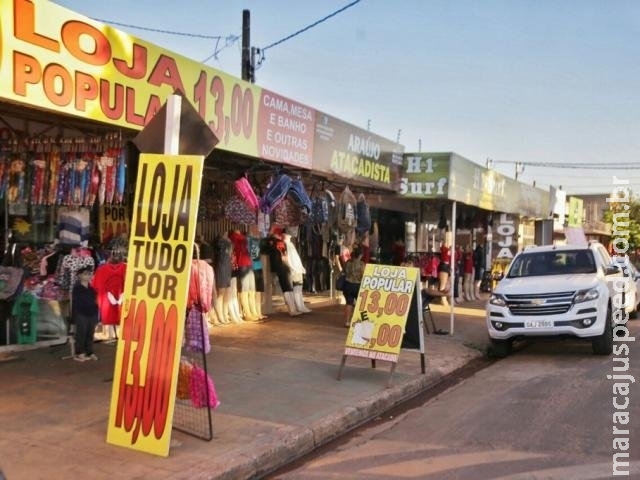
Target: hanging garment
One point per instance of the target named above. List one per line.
(201, 388)
(108, 281)
(197, 331)
(201, 285)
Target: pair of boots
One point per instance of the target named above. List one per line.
(247, 300)
(295, 301)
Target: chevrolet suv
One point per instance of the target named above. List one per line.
(555, 291)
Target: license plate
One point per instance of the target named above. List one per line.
(538, 323)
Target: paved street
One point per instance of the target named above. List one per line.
(544, 413)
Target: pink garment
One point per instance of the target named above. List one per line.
(201, 285)
(108, 281)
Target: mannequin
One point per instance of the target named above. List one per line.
(244, 274)
(224, 249)
(457, 263)
(108, 282)
(468, 274)
(296, 273)
(444, 269)
(277, 251)
(255, 296)
(478, 265)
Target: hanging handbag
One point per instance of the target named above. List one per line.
(202, 388)
(197, 331)
(341, 280)
(184, 377)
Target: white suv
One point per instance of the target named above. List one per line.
(555, 291)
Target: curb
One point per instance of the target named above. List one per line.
(288, 444)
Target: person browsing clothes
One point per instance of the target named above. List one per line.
(84, 313)
(354, 270)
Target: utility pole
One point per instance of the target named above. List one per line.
(246, 64)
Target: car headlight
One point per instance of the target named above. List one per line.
(586, 295)
(497, 300)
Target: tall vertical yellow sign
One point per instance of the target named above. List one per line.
(156, 284)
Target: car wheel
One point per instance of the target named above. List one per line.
(603, 344)
(500, 348)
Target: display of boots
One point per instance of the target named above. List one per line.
(232, 302)
(212, 318)
(249, 316)
(291, 304)
(256, 304)
(221, 306)
(299, 299)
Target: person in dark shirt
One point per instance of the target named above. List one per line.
(84, 313)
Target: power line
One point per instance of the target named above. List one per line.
(229, 40)
(588, 166)
(310, 26)
(167, 32)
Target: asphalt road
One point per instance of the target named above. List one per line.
(546, 412)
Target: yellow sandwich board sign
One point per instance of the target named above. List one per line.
(380, 313)
(156, 286)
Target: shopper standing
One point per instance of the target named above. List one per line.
(84, 313)
(354, 270)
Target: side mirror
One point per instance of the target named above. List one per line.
(612, 269)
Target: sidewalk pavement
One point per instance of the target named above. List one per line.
(276, 381)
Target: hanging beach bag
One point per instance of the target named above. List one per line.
(238, 211)
(299, 195)
(246, 193)
(363, 216)
(288, 214)
(276, 192)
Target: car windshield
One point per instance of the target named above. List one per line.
(553, 262)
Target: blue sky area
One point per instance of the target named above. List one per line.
(511, 80)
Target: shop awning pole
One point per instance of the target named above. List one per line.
(454, 260)
(172, 125)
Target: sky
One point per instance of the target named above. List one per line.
(533, 82)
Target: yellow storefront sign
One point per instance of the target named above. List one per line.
(56, 59)
(381, 311)
(156, 286)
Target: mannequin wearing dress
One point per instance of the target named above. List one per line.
(277, 252)
(108, 281)
(224, 249)
(296, 273)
